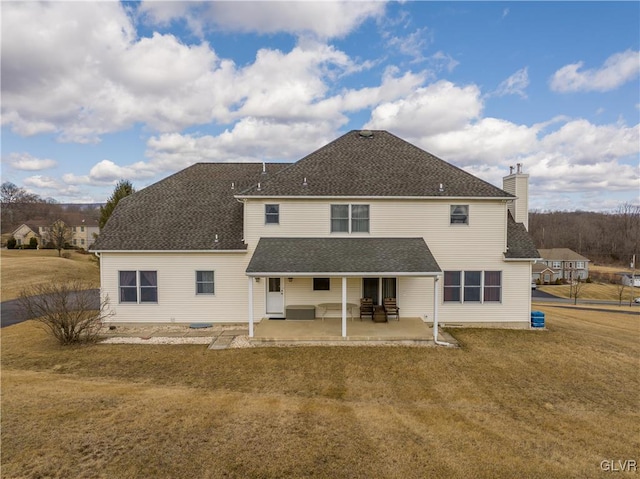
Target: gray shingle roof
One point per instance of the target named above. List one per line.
(380, 165)
(519, 242)
(185, 211)
(342, 255)
(561, 254)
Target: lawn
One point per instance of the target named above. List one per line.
(535, 404)
(24, 268)
(608, 292)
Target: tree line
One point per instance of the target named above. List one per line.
(18, 206)
(609, 238)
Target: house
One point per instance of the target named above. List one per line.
(626, 279)
(368, 215)
(24, 233)
(564, 264)
(82, 232)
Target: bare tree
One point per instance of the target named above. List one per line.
(575, 289)
(58, 234)
(70, 310)
(620, 289)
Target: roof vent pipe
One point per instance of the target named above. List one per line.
(259, 189)
(304, 182)
(511, 168)
(233, 185)
(264, 168)
(441, 188)
(519, 165)
(216, 239)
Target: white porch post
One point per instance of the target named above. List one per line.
(344, 307)
(250, 307)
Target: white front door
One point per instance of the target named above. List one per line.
(275, 296)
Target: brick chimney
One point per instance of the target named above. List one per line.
(518, 185)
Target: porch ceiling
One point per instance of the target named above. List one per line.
(342, 257)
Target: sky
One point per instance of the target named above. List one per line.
(95, 92)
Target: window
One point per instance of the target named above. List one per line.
(339, 218)
(81, 241)
(359, 218)
(349, 218)
(204, 282)
(82, 228)
(472, 286)
(452, 286)
(74, 229)
(492, 286)
(147, 291)
(321, 284)
(557, 264)
(580, 264)
(128, 287)
(75, 241)
(272, 214)
(459, 214)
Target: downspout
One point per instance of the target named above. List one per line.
(435, 314)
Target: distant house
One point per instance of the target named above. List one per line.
(560, 263)
(627, 279)
(24, 233)
(83, 232)
(82, 235)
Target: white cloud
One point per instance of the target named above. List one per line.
(413, 45)
(618, 69)
(516, 84)
(27, 162)
(442, 61)
(326, 19)
(562, 155)
(104, 79)
(437, 108)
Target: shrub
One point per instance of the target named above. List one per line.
(69, 311)
(11, 243)
(558, 281)
(588, 280)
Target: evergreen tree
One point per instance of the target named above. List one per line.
(123, 189)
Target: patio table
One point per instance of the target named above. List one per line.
(336, 307)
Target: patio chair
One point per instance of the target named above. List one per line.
(366, 308)
(391, 308)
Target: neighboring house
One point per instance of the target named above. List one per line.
(368, 215)
(541, 272)
(24, 233)
(626, 279)
(565, 263)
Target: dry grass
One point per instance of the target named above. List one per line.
(535, 404)
(602, 291)
(25, 268)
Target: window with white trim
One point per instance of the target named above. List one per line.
(459, 215)
(205, 282)
(138, 286)
(272, 214)
(349, 218)
(452, 285)
(472, 286)
(557, 264)
(580, 264)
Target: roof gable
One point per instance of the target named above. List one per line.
(561, 254)
(380, 164)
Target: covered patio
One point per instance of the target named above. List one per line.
(342, 258)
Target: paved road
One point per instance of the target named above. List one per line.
(12, 313)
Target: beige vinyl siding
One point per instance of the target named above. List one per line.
(514, 307)
(177, 298)
(391, 218)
